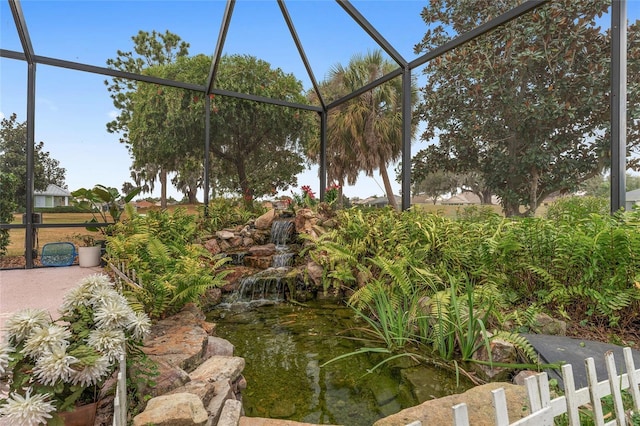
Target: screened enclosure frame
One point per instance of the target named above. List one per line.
(404, 70)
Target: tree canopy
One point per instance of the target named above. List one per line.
(365, 133)
(13, 160)
(150, 50)
(256, 148)
(527, 105)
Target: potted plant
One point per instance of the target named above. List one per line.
(100, 201)
(53, 367)
(89, 250)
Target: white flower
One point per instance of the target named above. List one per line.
(5, 351)
(110, 342)
(27, 410)
(22, 323)
(95, 281)
(91, 374)
(102, 295)
(55, 365)
(114, 313)
(139, 325)
(74, 298)
(43, 340)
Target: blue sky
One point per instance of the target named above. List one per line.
(72, 108)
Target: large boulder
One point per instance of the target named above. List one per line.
(266, 220)
(219, 368)
(181, 409)
(479, 406)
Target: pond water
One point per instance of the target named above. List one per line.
(284, 346)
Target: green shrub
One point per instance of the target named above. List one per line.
(172, 267)
(8, 183)
(225, 213)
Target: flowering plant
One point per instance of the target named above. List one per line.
(331, 193)
(306, 198)
(50, 365)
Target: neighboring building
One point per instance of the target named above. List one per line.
(53, 196)
(467, 198)
(632, 198)
(377, 201)
(144, 204)
(463, 199)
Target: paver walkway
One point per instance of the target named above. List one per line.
(37, 288)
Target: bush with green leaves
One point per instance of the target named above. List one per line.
(225, 213)
(579, 264)
(8, 182)
(171, 266)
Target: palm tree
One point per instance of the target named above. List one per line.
(365, 134)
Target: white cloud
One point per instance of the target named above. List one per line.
(112, 114)
(1, 115)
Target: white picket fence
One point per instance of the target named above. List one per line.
(123, 275)
(544, 409)
(120, 401)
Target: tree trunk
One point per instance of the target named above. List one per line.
(191, 193)
(511, 209)
(247, 192)
(163, 188)
(387, 186)
(533, 192)
(486, 197)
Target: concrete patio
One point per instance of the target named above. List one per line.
(38, 288)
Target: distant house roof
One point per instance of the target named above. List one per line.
(144, 204)
(377, 201)
(54, 190)
(464, 198)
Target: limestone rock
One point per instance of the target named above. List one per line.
(501, 352)
(231, 413)
(169, 377)
(265, 221)
(305, 221)
(522, 376)
(258, 262)
(221, 394)
(479, 405)
(181, 409)
(203, 390)
(263, 250)
(218, 346)
(225, 235)
(315, 271)
(212, 297)
(236, 241)
(181, 345)
(544, 324)
(212, 246)
(219, 368)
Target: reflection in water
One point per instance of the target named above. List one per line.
(284, 346)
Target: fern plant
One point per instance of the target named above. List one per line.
(172, 268)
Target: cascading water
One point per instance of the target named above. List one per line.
(271, 284)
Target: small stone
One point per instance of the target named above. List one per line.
(231, 413)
